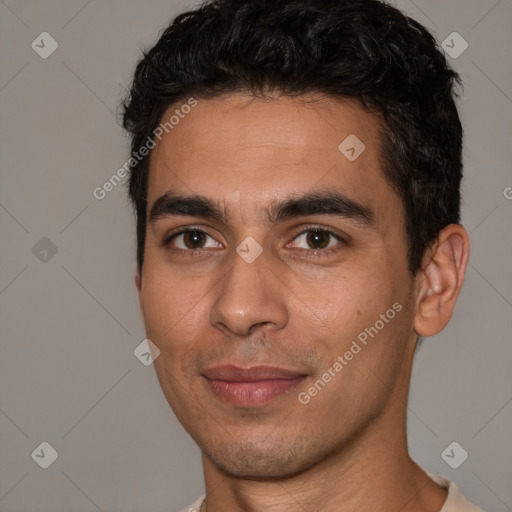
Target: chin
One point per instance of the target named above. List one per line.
(249, 461)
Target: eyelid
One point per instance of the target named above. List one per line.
(185, 229)
(315, 227)
(342, 239)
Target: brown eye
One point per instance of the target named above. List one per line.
(318, 239)
(192, 239)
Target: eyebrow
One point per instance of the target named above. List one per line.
(316, 203)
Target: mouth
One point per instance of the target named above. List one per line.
(251, 387)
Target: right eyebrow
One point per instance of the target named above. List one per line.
(194, 206)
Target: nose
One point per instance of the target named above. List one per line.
(248, 296)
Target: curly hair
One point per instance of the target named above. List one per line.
(362, 49)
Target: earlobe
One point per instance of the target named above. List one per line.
(440, 280)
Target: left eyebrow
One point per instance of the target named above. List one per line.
(316, 203)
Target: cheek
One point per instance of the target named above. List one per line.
(353, 297)
(168, 298)
(175, 310)
(368, 307)
(170, 318)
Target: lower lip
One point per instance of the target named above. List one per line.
(251, 394)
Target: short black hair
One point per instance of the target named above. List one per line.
(362, 49)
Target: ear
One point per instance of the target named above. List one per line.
(138, 280)
(138, 284)
(440, 280)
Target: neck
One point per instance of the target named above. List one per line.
(371, 472)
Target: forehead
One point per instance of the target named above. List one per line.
(252, 150)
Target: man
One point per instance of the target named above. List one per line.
(295, 174)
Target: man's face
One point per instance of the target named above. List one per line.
(299, 305)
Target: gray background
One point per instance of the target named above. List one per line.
(70, 321)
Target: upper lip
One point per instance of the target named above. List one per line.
(232, 373)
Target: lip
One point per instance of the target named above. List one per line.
(251, 387)
(231, 373)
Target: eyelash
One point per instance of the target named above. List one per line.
(318, 253)
(312, 252)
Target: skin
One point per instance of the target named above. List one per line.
(346, 449)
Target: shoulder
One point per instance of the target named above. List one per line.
(455, 502)
(195, 507)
